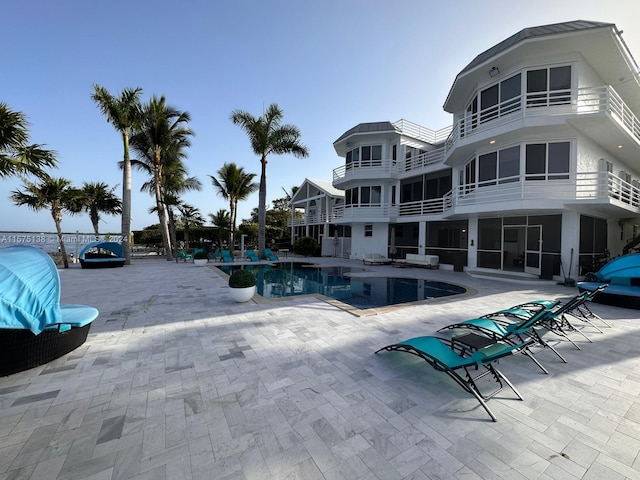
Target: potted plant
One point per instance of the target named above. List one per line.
(242, 284)
(200, 258)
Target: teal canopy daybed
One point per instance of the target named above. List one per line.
(34, 327)
(102, 255)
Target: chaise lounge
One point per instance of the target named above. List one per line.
(34, 327)
(444, 356)
(375, 258)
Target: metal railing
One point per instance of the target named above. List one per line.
(584, 101)
(584, 186)
(364, 169)
(577, 186)
(422, 133)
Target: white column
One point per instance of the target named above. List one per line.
(472, 236)
(422, 237)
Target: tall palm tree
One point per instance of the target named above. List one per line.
(162, 136)
(123, 112)
(267, 136)
(99, 198)
(175, 182)
(221, 220)
(55, 194)
(190, 216)
(17, 157)
(233, 184)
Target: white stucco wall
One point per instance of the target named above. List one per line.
(377, 243)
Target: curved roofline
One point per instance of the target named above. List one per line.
(528, 34)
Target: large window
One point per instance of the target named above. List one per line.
(502, 166)
(368, 155)
(364, 196)
(548, 161)
(593, 243)
(495, 101)
(549, 86)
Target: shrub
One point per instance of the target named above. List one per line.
(307, 246)
(200, 255)
(242, 279)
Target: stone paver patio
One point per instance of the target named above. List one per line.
(178, 382)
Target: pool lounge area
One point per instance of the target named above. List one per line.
(176, 381)
(354, 287)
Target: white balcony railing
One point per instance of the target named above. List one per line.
(584, 101)
(422, 133)
(597, 186)
(604, 187)
(365, 169)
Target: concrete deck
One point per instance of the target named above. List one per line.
(178, 382)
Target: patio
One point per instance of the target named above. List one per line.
(176, 381)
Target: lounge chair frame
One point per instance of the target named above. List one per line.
(522, 331)
(484, 357)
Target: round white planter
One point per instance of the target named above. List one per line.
(244, 294)
(200, 262)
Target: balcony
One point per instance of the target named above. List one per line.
(383, 212)
(365, 169)
(579, 106)
(387, 168)
(600, 190)
(414, 130)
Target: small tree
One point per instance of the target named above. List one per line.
(98, 198)
(55, 194)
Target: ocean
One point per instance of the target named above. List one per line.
(73, 242)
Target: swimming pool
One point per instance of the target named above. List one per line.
(288, 279)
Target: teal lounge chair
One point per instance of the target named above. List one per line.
(518, 331)
(215, 255)
(251, 255)
(226, 256)
(184, 256)
(576, 308)
(441, 354)
(270, 255)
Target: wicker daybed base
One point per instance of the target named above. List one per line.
(21, 350)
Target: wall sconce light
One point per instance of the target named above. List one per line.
(494, 71)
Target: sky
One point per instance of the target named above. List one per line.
(329, 65)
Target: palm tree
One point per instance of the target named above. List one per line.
(17, 157)
(233, 184)
(160, 140)
(99, 198)
(175, 183)
(268, 135)
(189, 216)
(123, 112)
(221, 220)
(55, 194)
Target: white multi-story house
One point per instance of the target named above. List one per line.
(538, 174)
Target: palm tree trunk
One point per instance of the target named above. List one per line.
(232, 217)
(57, 218)
(172, 232)
(262, 206)
(95, 220)
(162, 217)
(126, 200)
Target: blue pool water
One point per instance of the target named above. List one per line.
(288, 279)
